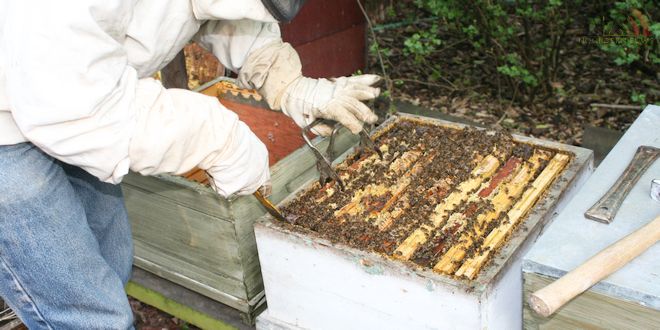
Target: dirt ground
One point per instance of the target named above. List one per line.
(150, 318)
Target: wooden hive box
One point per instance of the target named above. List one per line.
(184, 232)
(316, 281)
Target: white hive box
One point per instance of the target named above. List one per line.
(312, 283)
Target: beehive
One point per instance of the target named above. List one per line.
(431, 232)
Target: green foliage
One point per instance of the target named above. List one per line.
(637, 97)
(374, 48)
(516, 70)
(449, 9)
(629, 35)
(655, 30)
(522, 41)
(422, 44)
(390, 12)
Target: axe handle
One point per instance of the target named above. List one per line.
(552, 297)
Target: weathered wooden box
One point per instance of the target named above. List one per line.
(184, 232)
(313, 283)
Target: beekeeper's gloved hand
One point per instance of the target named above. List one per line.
(275, 71)
(338, 99)
(244, 166)
(181, 130)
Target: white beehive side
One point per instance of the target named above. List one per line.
(311, 283)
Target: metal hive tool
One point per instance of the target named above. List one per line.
(324, 160)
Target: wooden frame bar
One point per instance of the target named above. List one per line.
(409, 164)
(348, 175)
(504, 198)
(483, 171)
(458, 221)
(386, 218)
(494, 240)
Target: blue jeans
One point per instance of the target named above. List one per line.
(65, 244)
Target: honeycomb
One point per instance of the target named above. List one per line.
(441, 198)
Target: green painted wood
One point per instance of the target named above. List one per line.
(192, 299)
(172, 307)
(174, 189)
(186, 233)
(249, 257)
(183, 233)
(227, 290)
(589, 310)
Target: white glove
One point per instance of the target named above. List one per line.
(275, 71)
(245, 169)
(181, 129)
(338, 99)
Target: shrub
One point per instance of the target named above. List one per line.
(522, 41)
(635, 38)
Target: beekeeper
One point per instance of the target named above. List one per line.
(78, 111)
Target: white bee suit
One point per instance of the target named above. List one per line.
(74, 80)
